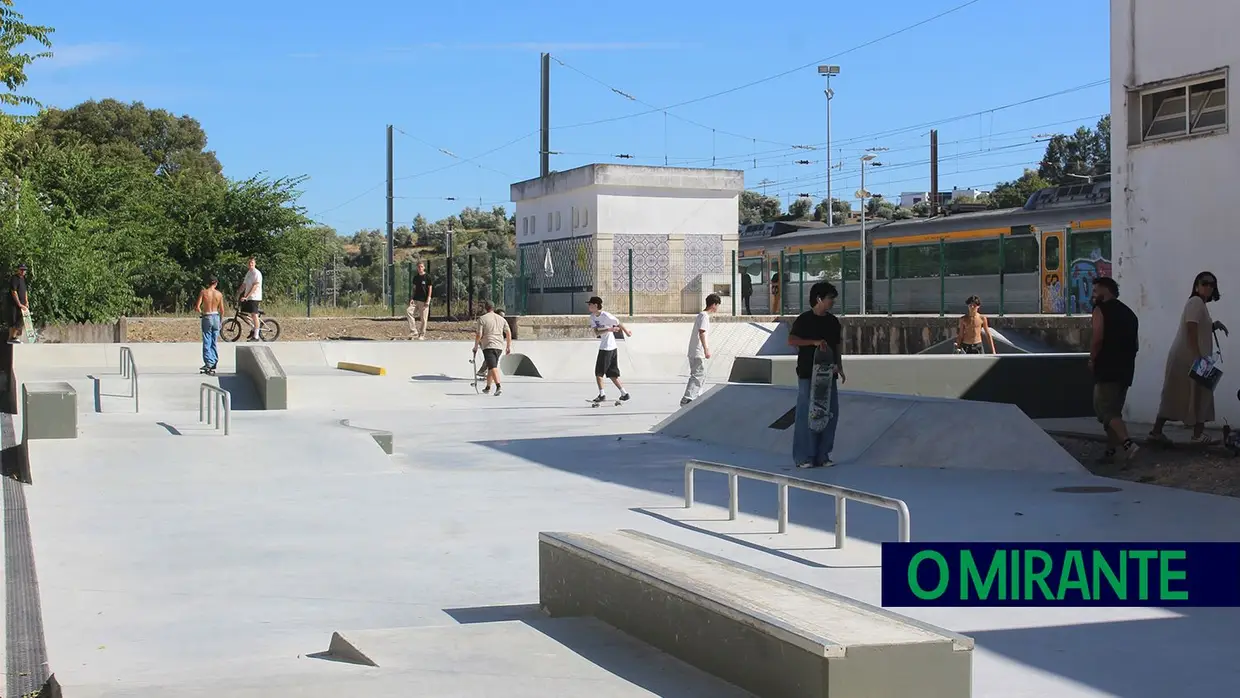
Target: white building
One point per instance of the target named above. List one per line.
(1174, 165)
(577, 231)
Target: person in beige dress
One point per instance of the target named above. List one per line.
(1184, 399)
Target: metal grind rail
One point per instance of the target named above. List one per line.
(129, 369)
(220, 403)
(841, 495)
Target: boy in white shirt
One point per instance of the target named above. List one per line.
(699, 350)
(605, 325)
(251, 293)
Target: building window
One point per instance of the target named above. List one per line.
(1190, 108)
(557, 220)
(525, 225)
(585, 217)
(576, 218)
(549, 218)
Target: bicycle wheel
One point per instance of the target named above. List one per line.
(230, 331)
(270, 331)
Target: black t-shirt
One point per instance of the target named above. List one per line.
(1117, 357)
(18, 284)
(811, 326)
(421, 285)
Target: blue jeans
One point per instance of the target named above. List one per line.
(809, 446)
(210, 335)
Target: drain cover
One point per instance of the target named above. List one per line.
(1087, 489)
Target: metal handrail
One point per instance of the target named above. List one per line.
(129, 369)
(841, 495)
(221, 400)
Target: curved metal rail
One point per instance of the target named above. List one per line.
(841, 495)
(129, 369)
(220, 402)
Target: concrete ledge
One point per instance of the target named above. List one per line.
(362, 368)
(259, 364)
(518, 365)
(1043, 386)
(769, 635)
(49, 411)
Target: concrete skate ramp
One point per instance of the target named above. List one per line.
(877, 430)
(1043, 386)
(518, 365)
(1012, 342)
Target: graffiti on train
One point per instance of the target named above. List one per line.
(1083, 272)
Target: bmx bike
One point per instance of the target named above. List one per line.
(231, 330)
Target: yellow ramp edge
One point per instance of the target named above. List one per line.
(362, 368)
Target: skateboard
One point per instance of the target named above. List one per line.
(473, 362)
(821, 385)
(207, 370)
(29, 336)
(615, 403)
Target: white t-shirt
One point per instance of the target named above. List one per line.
(253, 278)
(695, 342)
(605, 319)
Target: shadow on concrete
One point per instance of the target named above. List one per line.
(1200, 646)
(437, 377)
(731, 539)
(518, 365)
(596, 642)
(244, 395)
(171, 429)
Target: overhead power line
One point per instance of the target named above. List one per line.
(776, 76)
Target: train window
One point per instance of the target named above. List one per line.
(914, 262)
(1052, 253)
(1020, 255)
(1091, 245)
(972, 257)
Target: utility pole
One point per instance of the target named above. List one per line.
(389, 279)
(934, 172)
(544, 148)
(828, 71)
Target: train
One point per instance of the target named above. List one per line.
(1037, 259)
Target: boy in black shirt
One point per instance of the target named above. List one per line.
(814, 328)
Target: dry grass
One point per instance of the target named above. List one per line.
(1207, 470)
(178, 329)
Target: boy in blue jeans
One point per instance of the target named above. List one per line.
(814, 328)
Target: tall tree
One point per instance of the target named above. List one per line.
(1073, 158)
(758, 208)
(1014, 194)
(799, 210)
(14, 32)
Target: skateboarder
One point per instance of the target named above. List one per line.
(18, 303)
(972, 328)
(1113, 360)
(419, 303)
(605, 325)
(811, 330)
(210, 306)
(699, 350)
(493, 337)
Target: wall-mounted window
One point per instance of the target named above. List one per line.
(550, 218)
(585, 217)
(557, 220)
(576, 218)
(525, 225)
(1173, 111)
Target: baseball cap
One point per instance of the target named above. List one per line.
(22, 266)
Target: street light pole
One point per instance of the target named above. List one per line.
(828, 71)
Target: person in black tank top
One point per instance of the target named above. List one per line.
(1112, 360)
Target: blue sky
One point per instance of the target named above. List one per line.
(293, 88)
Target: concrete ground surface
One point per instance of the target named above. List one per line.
(175, 561)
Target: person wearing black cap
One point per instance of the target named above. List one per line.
(18, 302)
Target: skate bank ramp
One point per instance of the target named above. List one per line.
(877, 430)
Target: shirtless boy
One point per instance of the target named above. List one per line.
(210, 306)
(971, 327)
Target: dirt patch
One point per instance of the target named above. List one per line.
(300, 329)
(1210, 471)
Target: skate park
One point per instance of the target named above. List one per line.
(295, 554)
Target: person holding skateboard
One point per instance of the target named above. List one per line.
(19, 304)
(210, 307)
(699, 350)
(495, 339)
(607, 364)
(817, 335)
